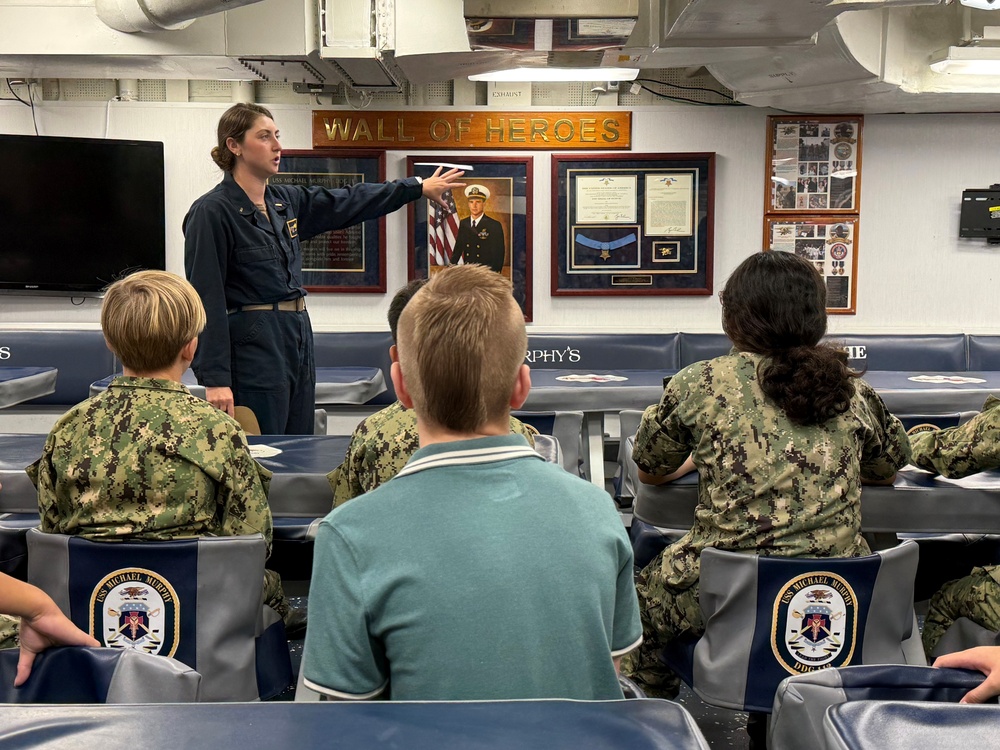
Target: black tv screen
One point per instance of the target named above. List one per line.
(78, 213)
(980, 215)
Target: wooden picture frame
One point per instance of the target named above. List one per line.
(813, 164)
(829, 242)
(502, 239)
(632, 224)
(345, 260)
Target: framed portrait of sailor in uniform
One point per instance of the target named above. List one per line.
(351, 259)
(632, 224)
(487, 222)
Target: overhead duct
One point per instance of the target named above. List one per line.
(132, 16)
(552, 33)
(872, 61)
(272, 40)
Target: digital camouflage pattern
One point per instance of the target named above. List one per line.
(766, 485)
(977, 597)
(963, 450)
(146, 460)
(380, 447)
(957, 452)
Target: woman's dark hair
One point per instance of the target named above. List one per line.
(774, 304)
(234, 123)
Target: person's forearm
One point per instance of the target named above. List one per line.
(21, 599)
(685, 468)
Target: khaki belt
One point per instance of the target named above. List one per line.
(289, 305)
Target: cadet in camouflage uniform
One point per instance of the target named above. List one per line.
(380, 446)
(769, 484)
(957, 452)
(146, 460)
(383, 443)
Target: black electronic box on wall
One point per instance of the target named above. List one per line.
(981, 214)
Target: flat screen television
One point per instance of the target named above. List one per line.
(78, 213)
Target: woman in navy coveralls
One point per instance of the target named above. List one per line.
(242, 254)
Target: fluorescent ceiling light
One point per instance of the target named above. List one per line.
(559, 74)
(984, 61)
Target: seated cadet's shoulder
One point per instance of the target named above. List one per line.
(204, 418)
(522, 428)
(365, 509)
(702, 373)
(866, 393)
(393, 418)
(391, 430)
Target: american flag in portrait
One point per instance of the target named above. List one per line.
(442, 229)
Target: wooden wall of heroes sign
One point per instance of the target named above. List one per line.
(484, 129)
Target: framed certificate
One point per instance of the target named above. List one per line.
(350, 259)
(828, 242)
(627, 224)
(487, 222)
(813, 164)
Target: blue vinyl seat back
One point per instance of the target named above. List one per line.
(697, 347)
(199, 601)
(895, 725)
(940, 421)
(547, 446)
(602, 351)
(567, 429)
(802, 700)
(902, 352)
(362, 725)
(358, 349)
(80, 356)
(964, 633)
(984, 352)
(627, 476)
(944, 352)
(98, 675)
(770, 617)
(14, 543)
(648, 541)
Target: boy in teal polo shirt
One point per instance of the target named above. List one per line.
(479, 571)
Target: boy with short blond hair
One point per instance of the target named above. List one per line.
(479, 571)
(146, 460)
(384, 441)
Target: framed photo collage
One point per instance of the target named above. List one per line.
(812, 198)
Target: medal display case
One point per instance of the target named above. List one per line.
(632, 224)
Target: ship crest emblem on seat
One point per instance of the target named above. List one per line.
(815, 623)
(137, 609)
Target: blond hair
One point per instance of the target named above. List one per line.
(148, 317)
(461, 343)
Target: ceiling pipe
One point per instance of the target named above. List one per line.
(133, 16)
